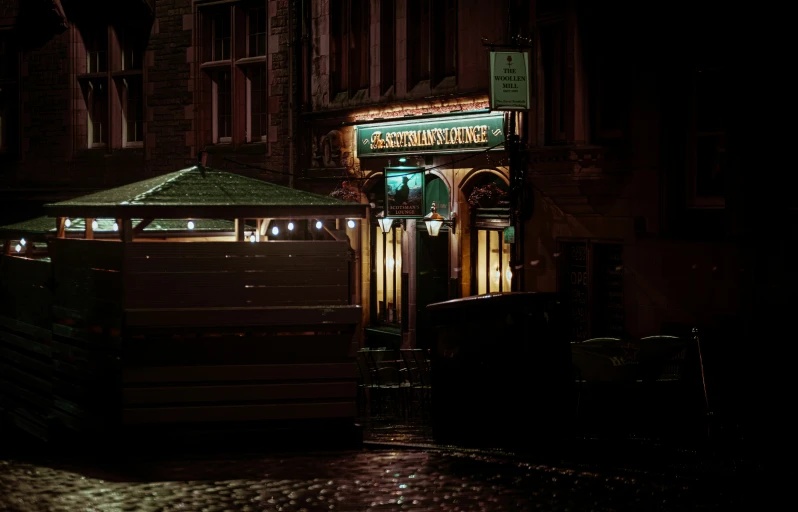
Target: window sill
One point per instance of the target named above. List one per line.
(127, 72)
(133, 145)
(261, 59)
(216, 64)
(92, 76)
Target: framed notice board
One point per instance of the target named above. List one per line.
(590, 282)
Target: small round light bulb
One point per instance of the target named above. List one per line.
(18, 248)
(67, 222)
(95, 224)
(290, 226)
(319, 224)
(116, 226)
(252, 238)
(351, 224)
(23, 242)
(275, 230)
(190, 224)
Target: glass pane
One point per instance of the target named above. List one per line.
(482, 241)
(495, 261)
(390, 270)
(398, 274)
(507, 272)
(379, 265)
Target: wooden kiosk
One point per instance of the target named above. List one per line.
(193, 300)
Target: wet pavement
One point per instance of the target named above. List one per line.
(376, 478)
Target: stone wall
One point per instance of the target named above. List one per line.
(54, 163)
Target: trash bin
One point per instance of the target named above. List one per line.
(501, 371)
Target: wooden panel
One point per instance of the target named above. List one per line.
(98, 338)
(231, 349)
(183, 394)
(101, 254)
(220, 317)
(239, 413)
(239, 373)
(25, 378)
(225, 274)
(231, 249)
(193, 295)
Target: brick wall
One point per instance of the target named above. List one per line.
(54, 163)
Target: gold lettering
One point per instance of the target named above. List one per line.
(470, 132)
(484, 129)
(376, 142)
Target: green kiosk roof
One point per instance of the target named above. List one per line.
(205, 193)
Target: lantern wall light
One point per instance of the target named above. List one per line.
(386, 223)
(435, 221)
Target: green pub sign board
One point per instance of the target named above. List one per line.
(442, 135)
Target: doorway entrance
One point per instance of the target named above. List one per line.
(432, 282)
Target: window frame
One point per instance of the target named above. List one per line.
(239, 64)
(116, 79)
(398, 295)
(590, 246)
(426, 58)
(693, 199)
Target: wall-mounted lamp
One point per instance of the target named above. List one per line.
(385, 222)
(434, 221)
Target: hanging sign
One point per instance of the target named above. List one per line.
(509, 81)
(404, 192)
(509, 235)
(440, 135)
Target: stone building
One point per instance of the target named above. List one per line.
(97, 94)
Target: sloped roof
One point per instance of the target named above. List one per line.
(201, 192)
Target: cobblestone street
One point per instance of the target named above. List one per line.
(375, 478)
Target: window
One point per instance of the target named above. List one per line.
(492, 271)
(349, 46)
(590, 281)
(387, 44)
(554, 63)
(9, 96)
(431, 40)
(386, 286)
(221, 35)
(233, 57)
(256, 32)
(96, 42)
(708, 141)
(258, 100)
(133, 110)
(97, 108)
(223, 107)
(112, 67)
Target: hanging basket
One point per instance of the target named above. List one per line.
(486, 197)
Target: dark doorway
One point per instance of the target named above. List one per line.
(432, 284)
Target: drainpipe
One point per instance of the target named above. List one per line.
(291, 95)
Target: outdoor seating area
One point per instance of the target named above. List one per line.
(180, 303)
(394, 384)
(652, 386)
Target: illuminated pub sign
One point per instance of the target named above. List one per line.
(404, 192)
(441, 135)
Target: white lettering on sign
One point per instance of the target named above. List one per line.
(579, 278)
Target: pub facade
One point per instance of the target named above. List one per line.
(632, 208)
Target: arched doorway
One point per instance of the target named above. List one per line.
(432, 259)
